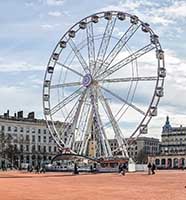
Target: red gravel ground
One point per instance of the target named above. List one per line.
(164, 185)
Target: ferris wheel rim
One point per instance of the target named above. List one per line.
(159, 79)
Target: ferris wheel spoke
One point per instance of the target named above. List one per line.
(124, 101)
(68, 118)
(86, 133)
(119, 46)
(91, 46)
(68, 68)
(66, 101)
(125, 61)
(65, 85)
(83, 126)
(75, 119)
(129, 79)
(118, 133)
(104, 44)
(79, 56)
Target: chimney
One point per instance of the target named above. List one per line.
(20, 114)
(8, 113)
(31, 115)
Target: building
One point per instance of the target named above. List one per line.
(172, 148)
(25, 140)
(142, 145)
(173, 139)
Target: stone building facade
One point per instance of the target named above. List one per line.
(144, 145)
(29, 138)
(172, 148)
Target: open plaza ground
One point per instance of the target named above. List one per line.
(164, 185)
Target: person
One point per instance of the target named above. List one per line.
(149, 168)
(37, 169)
(31, 168)
(91, 168)
(76, 169)
(42, 169)
(28, 168)
(122, 168)
(153, 168)
(95, 168)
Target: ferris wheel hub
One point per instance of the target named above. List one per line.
(87, 80)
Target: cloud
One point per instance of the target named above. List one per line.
(154, 13)
(55, 2)
(54, 13)
(174, 11)
(18, 65)
(49, 27)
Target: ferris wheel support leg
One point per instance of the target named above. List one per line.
(84, 144)
(99, 128)
(118, 134)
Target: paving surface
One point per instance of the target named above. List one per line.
(164, 185)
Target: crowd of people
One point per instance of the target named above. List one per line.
(37, 169)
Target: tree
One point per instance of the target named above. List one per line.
(8, 151)
(142, 157)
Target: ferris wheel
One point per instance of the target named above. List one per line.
(103, 80)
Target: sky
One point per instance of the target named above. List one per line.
(30, 29)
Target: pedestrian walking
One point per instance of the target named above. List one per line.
(149, 165)
(153, 168)
(76, 169)
(120, 168)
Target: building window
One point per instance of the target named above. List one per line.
(50, 139)
(21, 129)
(39, 138)
(163, 161)
(9, 128)
(33, 130)
(27, 130)
(55, 149)
(39, 148)
(44, 149)
(157, 161)
(21, 147)
(33, 148)
(27, 138)
(49, 148)
(44, 139)
(181, 140)
(15, 129)
(15, 146)
(33, 138)
(2, 128)
(27, 159)
(27, 147)
(44, 131)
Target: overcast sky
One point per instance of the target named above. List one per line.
(30, 30)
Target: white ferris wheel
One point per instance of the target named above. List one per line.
(103, 80)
